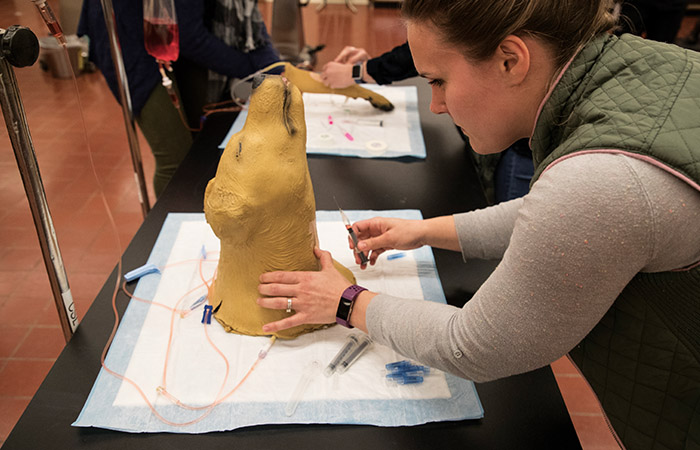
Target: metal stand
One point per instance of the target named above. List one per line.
(125, 100)
(287, 30)
(287, 33)
(19, 47)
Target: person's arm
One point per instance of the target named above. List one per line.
(394, 65)
(577, 242)
(199, 45)
(337, 75)
(485, 233)
(589, 225)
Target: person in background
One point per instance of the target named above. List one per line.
(218, 40)
(503, 177)
(600, 259)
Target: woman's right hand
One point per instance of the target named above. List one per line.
(379, 234)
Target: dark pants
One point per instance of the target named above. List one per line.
(167, 136)
(514, 172)
(161, 124)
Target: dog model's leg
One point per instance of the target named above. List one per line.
(304, 80)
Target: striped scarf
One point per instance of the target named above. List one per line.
(239, 24)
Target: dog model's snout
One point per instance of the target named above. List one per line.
(257, 80)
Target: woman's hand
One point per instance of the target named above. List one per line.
(337, 75)
(315, 295)
(351, 55)
(380, 234)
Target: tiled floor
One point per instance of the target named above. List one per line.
(30, 335)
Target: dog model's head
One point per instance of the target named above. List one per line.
(263, 174)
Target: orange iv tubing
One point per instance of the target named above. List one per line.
(162, 389)
(207, 110)
(56, 31)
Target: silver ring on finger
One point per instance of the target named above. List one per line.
(289, 305)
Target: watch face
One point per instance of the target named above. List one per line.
(356, 71)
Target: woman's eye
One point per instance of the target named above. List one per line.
(436, 82)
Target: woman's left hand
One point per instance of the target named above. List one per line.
(315, 295)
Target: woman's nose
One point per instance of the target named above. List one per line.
(437, 107)
(437, 103)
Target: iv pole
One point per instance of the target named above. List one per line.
(19, 47)
(125, 100)
(108, 11)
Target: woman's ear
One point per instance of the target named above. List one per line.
(513, 56)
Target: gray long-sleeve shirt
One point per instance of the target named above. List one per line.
(568, 248)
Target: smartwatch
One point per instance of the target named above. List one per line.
(347, 301)
(357, 72)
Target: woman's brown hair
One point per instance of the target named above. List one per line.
(479, 26)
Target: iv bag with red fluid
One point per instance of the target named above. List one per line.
(160, 31)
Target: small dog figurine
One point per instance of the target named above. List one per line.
(261, 206)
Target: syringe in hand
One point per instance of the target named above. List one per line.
(353, 236)
(50, 20)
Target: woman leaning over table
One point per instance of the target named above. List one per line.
(600, 258)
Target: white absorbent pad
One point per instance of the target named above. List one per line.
(338, 125)
(197, 374)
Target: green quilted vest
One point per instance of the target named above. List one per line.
(643, 358)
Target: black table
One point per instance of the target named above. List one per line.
(524, 411)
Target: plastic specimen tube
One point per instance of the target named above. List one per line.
(350, 344)
(364, 343)
(303, 383)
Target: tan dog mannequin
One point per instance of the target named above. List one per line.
(261, 206)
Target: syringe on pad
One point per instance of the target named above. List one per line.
(348, 354)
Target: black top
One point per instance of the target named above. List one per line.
(394, 65)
